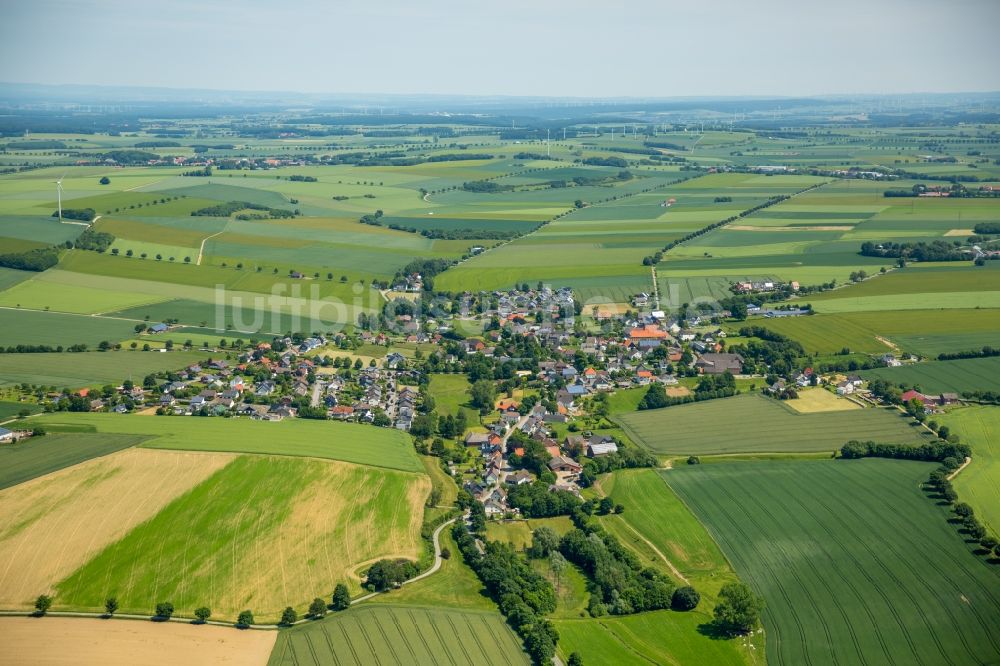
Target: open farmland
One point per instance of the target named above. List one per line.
(979, 484)
(924, 332)
(658, 526)
(348, 442)
(326, 519)
(401, 635)
(752, 423)
(56, 523)
(71, 641)
(36, 327)
(845, 580)
(38, 456)
(968, 374)
(75, 370)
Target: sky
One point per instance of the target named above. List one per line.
(560, 48)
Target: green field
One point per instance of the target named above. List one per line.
(217, 543)
(657, 637)
(376, 634)
(846, 579)
(349, 442)
(658, 527)
(752, 423)
(979, 483)
(11, 409)
(971, 374)
(36, 327)
(76, 370)
(924, 332)
(41, 455)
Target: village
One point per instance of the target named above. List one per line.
(561, 371)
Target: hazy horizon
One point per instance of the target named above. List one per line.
(773, 48)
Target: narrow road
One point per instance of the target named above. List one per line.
(201, 250)
(964, 464)
(656, 289)
(314, 400)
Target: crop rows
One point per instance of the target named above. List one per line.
(845, 579)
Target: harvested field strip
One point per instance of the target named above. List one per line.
(57, 522)
(845, 580)
(60, 641)
(401, 635)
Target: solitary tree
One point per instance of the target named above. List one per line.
(341, 597)
(105, 180)
(202, 613)
(245, 619)
(289, 616)
(110, 605)
(317, 608)
(164, 610)
(42, 604)
(685, 598)
(575, 659)
(738, 609)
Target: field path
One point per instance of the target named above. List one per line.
(201, 249)
(656, 550)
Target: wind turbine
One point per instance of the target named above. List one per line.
(59, 194)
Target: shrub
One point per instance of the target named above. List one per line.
(317, 608)
(42, 604)
(202, 614)
(288, 616)
(245, 619)
(164, 610)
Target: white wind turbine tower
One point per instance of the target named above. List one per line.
(59, 195)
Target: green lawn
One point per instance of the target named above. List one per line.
(74, 370)
(855, 563)
(39, 456)
(349, 442)
(979, 483)
(451, 394)
(420, 636)
(752, 423)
